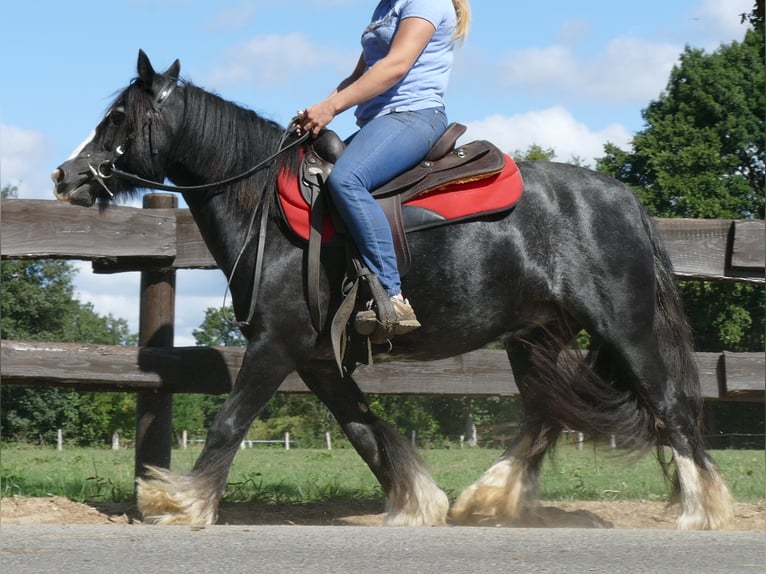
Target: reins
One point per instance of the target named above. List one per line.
(107, 169)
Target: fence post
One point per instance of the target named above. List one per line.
(287, 441)
(154, 410)
(470, 431)
(59, 439)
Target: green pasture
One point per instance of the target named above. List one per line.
(300, 475)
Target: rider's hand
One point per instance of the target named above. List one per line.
(315, 118)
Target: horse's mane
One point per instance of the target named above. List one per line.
(219, 139)
(240, 136)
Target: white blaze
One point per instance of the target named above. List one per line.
(81, 147)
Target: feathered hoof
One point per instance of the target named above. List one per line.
(706, 503)
(500, 496)
(426, 505)
(164, 498)
(714, 512)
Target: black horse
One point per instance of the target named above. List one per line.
(577, 252)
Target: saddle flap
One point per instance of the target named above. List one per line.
(468, 162)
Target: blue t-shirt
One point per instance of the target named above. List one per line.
(424, 85)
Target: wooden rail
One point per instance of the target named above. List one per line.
(213, 370)
(133, 239)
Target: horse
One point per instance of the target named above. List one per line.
(577, 253)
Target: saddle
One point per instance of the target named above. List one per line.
(445, 164)
(446, 167)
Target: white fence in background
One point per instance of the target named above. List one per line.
(569, 436)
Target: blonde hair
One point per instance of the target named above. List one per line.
(463, 12)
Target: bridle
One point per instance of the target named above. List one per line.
(107, 169)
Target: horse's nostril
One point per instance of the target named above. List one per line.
(56, 175)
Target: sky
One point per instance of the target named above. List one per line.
(570, 76)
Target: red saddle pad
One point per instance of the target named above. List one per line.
(449, 203)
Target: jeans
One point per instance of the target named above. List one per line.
(383, 148)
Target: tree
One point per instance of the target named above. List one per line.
(217, 329)
(701, 155)
(534, 152)
(756, 17)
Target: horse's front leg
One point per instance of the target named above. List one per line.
(414, 499)
(167, 498)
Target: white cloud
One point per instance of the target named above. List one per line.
(628, 70)
(276, 60)
(115, 294)
(720, 21)
(22, 152)
(554, 128)
(118, 294)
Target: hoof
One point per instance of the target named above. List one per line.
(164, 498)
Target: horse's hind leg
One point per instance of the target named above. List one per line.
(507, 493)
(414, 499)
(706, 503)
(652, 360)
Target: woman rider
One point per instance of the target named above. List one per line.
(397, 87)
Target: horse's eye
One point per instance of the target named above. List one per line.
(117, 116)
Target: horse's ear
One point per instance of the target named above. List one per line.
(146, 72)
(173, 71)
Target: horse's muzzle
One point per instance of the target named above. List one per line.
(82, 194)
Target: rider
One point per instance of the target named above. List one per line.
(397, 87)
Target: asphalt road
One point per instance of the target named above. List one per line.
(114, 549)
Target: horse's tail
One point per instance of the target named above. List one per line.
(676, 346)
(589, 393)
(672, 328)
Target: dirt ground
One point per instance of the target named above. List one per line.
(619, 514)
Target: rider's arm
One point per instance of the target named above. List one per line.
(361, 66)
(410, 39)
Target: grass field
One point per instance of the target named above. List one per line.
(275, 475)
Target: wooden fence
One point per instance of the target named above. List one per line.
(161, 239)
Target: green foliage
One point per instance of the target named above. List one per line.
(534, 152)
(701, 154)
(756, 16)
(194, 413)
(37, 304)
(725, 316)
(9, 192)
(304, 417)
(217, 329)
